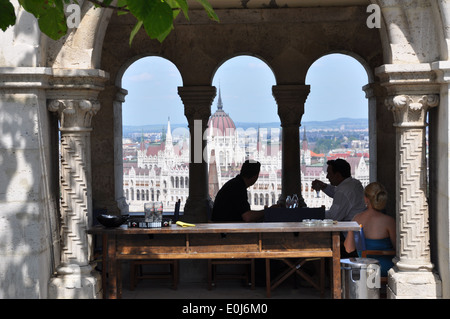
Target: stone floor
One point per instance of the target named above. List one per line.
(293, 287)
(232, 289)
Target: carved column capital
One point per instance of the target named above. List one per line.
(74, 115)
(291, 103)
(197, 101)
(374, 90)
(121, 94)
(411, 110)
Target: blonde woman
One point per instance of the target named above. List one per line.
(379, 228)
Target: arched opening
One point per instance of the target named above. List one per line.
(335, 123)
(155, 135)
(245, 125)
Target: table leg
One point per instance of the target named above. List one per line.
(284, 275)
(112, 268)
(296, 267)
(119, 278)
(322, 275)
(268, 277)
(104, 264)
(336, 265)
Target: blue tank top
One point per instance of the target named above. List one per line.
(380, 244)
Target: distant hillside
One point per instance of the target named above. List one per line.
(150, 128)
(347, 123)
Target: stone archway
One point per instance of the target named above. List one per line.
(409, 90)
(284, 52)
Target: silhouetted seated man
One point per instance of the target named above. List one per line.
(231, 203)
(347, 192)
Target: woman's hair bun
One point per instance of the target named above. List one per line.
(377, 195)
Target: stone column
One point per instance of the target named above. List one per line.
(412, 276)
(197, 102)
(371, 91)
(381, 135)
(410, 95)
(74, 100)
(118, 151)
(291, 106)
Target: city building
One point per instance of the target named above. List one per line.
(160, 172)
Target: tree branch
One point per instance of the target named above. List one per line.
(101, 4)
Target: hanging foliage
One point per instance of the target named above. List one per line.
(155, 16)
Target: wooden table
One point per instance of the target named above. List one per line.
(219, 240)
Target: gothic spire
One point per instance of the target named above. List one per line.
(219, 101)
(169, 132)
(305, 141)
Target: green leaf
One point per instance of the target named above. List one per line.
(34, 7)
(141, 8)
(121, 4)
(159, 20)
(164, 34)
(135, 30)
(7, 14)
(53, 23)
(50, 15)
(179, 4)
(175, 13)
(59, 4)
(157, 16)
(209, 10)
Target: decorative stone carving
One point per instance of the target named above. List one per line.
(291, 103)
(411, 92)
(197, 102)
(413, 231)
(409, 111)
(413, 261)
(75, 126)
(75, 115)
(73, 96)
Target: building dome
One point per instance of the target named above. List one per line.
(220, 122)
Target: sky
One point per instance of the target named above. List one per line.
(245, 83)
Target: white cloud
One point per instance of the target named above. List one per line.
(145, 76)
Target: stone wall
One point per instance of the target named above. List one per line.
(29, 190)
